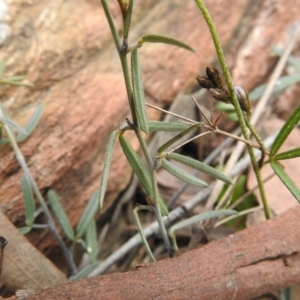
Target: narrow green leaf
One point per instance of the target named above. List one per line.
(200, 166)
(138, 91)
(165, 40)
(24, 230)
(128, 18)
(28, 201)
(4, 112)
(203, 217)
(167, 126)
(291, 59)
(140, 171)
(281, 84)
(288, 154)
(288, 126)
(140, 230)
(227, 107)
(2, 66)
(88, 215)
(16, 78)
(31, 123)
(181, 174)
(286, 179)
(13, 125)
(60, 214)
(92, 241)
(85, 271)
(106, 166)
(15, 83)
(176, 138)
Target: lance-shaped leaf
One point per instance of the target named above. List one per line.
(288, 154)
(195, 164)
(198, 218)
(183, 175)
(2, 66)
(286, 179)
(281, 84)
(284, 132)
(13, 125)
(88, 215)
(106, 166)
(167, 126)
(31, 123)
(28, 201)
(165, 40)
(140, 228)
(85, 272)
(291, 59)
(92, 241)
(138, 91)
(140, 171)
(24, 230)
(60, 214)
(127, 20)
(176, 138)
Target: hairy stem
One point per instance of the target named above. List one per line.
(235, 102)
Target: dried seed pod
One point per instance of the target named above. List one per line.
(214, 77)
(204, 82)
(220, 95)
(243, 99)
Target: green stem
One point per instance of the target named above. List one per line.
(159, 215)
(259, 141)
(138, 132)
(140, 229)
(235, 102)
(123, 58)
(143, 145)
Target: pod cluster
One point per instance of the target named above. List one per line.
(213, 83)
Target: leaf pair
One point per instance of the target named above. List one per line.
(274, 157)
(195, 164)
(22, 133)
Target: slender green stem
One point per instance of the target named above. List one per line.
(259, 141)
(111, 24)
(143, 145)
(140, 229)
(21, 160)
(138, 132)
(123, 58)
(159, 215)
(235, 102)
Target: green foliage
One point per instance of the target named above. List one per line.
(88, 215)
(285, 178)
(11, 132)
(28, 201)
(285, 131)
(60, 214)
(164, 40)
(91, 241)
(138, 91)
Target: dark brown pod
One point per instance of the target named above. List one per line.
(204, 82)
(214, 77)
(220, 95)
